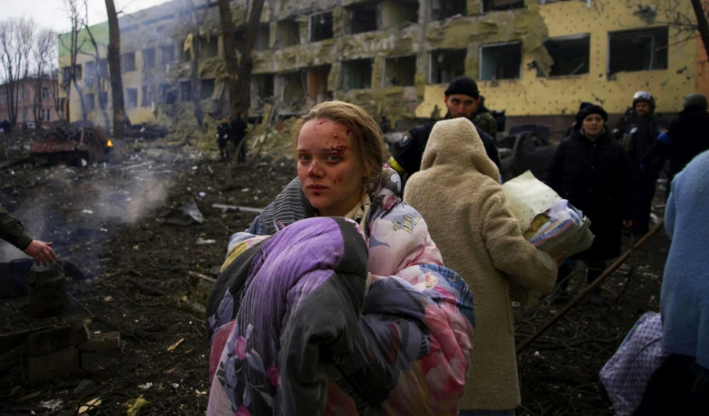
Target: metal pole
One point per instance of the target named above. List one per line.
(592, 286)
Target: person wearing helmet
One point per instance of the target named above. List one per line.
(639, 136)
(687, 137)
(462, 99)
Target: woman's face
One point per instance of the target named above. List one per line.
(330, 172)
(593, 125)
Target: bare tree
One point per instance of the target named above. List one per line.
(700, 11)
(73, 45)
(16, 36)
(242, 99)
(114, 67)
(98, 76)
(43, 53)
(232, 65)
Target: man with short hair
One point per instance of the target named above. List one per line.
(639, 136)
(462, 99)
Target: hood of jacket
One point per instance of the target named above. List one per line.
(455, 144)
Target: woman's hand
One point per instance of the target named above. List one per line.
(41, 252)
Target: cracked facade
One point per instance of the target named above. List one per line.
(533, 58)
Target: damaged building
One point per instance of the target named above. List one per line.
(535, 59)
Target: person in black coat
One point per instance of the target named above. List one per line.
(687, 137)
(592, 171)
(223, 132)
(238, 132)
(641, 132)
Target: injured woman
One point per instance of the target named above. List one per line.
(336, 300)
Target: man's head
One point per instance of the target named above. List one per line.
(643, 103)
(462, 97)
(696, 99)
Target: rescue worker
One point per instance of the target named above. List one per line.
(12, 231)
(238, 132)
(640, 135)
(483, 119)
(687, 137)
(223, 130)
(591, 171)
(462, 99)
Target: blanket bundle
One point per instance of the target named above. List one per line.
(300, 325)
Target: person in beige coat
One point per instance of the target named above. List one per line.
(459, 194)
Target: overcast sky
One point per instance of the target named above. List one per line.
(52, 13)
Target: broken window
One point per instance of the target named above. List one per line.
(288, 33)
(146, 96)
(167, 54)
(90, 71)
(90, 102)
(186, 91)
(447, 64)
(131, 98)
(149, 58)
(321, 27)
(317, 83)
(77, 72)
(443, 9)
(638, 50)
(206, 88)
(167, 96)
(400, 71)
(128, 62)
(261, 89)
(496, 5)
(239, 40)
(209, 47)
(357, 74)
(361, 18)
(501, 62)
(394, 13)
(263, 41)
(66, 74)
(294, 88)
(570, 56)
(103, 68)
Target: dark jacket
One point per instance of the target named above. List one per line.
(594, 176)
(640, 135)
(12, 231)
(238, 129)
(223, 132)
(409, 151)
(687, 137)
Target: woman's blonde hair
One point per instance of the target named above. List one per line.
(367, 141)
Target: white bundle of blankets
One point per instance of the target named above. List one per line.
(547, 221)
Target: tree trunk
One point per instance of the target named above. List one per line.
(702, 24)
(196, 90)
(114, 69)
(82, 103)
(242, 100)
(232, 65)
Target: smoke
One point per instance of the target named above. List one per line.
(79, 211)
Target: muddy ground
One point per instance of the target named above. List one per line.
(146, 280)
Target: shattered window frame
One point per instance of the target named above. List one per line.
(439, 13)
(206, 89)
(326, 32)
(351, 16)
(490, 6)
(578, 41)
(406, 83)
(128, 62)
(301, 76)
(355, 68)
(498, 46)
(263, 42)
(131, 98)
(169, 57)
(620, 46)
(287, 33)
(435, 74)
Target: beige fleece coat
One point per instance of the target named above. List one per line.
(459, 195)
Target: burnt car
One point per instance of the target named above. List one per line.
(526, 148)
(78, 147)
